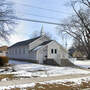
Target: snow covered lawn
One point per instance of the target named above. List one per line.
(43, 71)
(65, 84)
(37, 70)
(84, 64)
(27, 70)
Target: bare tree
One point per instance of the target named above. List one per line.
(37, 33)
(78, 26)
(6, 21)
(85, 2)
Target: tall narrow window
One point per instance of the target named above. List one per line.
(55, 51)
(19, 50)
(52, 51)
(24, 51)
(15, 51)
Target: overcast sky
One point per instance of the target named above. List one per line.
(28, 9)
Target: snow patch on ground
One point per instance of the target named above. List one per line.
(76, 81)
(37, 70)
(84, 64)
(42, 70)
(17, 62)
(18, 86)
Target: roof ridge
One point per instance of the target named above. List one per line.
(25, 42)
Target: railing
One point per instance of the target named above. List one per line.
(72, 59)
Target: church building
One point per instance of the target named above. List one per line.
(40, 49)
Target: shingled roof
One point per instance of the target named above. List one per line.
(45, 43)
(26, 42)
(42, 44)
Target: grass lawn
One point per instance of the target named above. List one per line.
(8, 76)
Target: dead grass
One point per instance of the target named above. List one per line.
(85, 85)
(15, 89)
(65, 86)
(9, 76)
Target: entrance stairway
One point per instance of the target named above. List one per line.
(64, 62)
(51, 62)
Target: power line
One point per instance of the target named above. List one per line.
(32, 20)
(42, 9)
(47, 9)
(41, 16)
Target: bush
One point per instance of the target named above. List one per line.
(3, 60)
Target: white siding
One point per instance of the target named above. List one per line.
(37, 42)
(19, 52)
(61, 52)
(32, 55)
(41, 54)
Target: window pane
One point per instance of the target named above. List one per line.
(51, 50)
(55, 51)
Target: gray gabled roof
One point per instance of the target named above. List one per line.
(45, 43)
(42, 44)
(26, 42)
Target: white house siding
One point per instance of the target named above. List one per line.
(41, 54)
(18, 52)
(64, 54)
(32, 55)
(60, 52)
(38, 42)
(46, 51)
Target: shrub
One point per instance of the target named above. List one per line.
(3, 60)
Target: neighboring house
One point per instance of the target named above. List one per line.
(74, 53)
(78, 54)
(39, 49)
(3, 50)
(71, 51)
